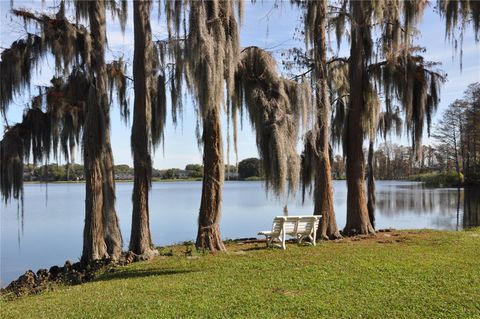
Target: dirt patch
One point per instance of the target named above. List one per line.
(403, 239)
(284, 292)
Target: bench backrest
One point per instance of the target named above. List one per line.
(277, 225)
(290, 225)
(294, 225)
(306, 225)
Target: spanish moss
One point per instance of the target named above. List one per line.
(275, 106)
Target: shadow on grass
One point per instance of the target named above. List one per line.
(257, 248)
(141, 273)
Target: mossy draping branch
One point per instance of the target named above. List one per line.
(205, 56)
(275, 106)
(11, 163)
(170, 54)
(31, 134)
(159, 111)
(54, 122)
(411, 81)
(117, 81)
(211, 52)
(337, 21)
(396, 20)
(309, 161)
(339, 89)
(372, 109)
(65, 40)
(175, 16)
(158, 85)
(69, 43)
(460, 14)
(390, 121)
(339, 113)
(118, 9)
(16, 67)
(66, 103)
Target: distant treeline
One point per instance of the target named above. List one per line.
(392, 162)
(249, 168)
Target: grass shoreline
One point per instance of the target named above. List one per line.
(401, 274)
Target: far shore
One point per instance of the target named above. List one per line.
(153, 180)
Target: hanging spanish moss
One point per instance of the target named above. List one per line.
(458, 15)
(118, 82)
(339, 87)
(16, 67)
(389, 121)
(275, 106)
(309, 159)
(170, 62)
(53, 123)
(118, 9)
(11, 162)
(66, 103)
(416, 85)
(399, 20)
(371, 112)
(159, 111)
(66, 41)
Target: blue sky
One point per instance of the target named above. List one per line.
(264, 26)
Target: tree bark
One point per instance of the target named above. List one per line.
(111, 226)
(208, 236)
(323, 193)
(141, 239)
(371, 186)
(102, 237)
(358, 221)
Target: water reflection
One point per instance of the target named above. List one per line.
(414, 199)
(471, 207)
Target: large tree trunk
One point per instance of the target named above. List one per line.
(371, 186)
(111, 226)
(141, 240)
(102, 238)
(94, 246)
(323, 194)
(358, 221)
(208, 236)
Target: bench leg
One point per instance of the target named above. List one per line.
(269, 241)
(299, 239)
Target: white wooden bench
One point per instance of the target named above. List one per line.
(300, 227)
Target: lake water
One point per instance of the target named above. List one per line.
(50, 231)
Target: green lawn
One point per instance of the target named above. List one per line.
(407, 274)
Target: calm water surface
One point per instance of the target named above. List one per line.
(52, 227)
